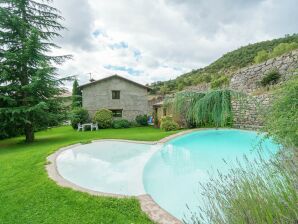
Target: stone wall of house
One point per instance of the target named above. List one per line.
(248, 111)
(153, 100)
(246, 79)
(133, 98)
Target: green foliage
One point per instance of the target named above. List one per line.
(182, 104)
(121, 123)
(29, 82)
(280, 49)
(282, 119)
(168, 124)
(142, 120)
(164, 89)
(180, 86)
(229, 62)
(104, 118)
(220, 82)
(76, 95)
(255, 191)
(204, 109)
(79, 115)
(270, 78)
(213, 109)
(261, 56)
(283, 48)
(10, 131)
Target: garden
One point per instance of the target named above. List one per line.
(33, 117)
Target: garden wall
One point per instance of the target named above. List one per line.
(246, 79)
(248, 111)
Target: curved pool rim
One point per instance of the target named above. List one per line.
(148, 204)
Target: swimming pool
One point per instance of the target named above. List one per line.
(170, 173)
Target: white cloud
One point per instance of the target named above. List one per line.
(158, 40)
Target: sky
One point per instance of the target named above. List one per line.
(157, 40)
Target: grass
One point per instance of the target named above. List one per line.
(27, 195)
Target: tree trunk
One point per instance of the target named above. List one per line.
(29, 133)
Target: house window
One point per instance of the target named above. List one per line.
(117, 113)
(115, 94)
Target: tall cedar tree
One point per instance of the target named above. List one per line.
(76, 95)
(29, 83)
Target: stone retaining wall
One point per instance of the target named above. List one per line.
(248, 111)
(246, 79)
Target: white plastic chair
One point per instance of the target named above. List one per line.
(80, 127)
(94, 126)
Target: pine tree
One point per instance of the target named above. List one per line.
(76, 95)
(29, 83)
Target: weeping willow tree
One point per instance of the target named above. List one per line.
(212, 108)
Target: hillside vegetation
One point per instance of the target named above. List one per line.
(218, 73)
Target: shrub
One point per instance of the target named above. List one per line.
(270, 78)
(166, 118)
(79, 115)
(280, 49)
(219, 82)
(122, 123)
(283, 48)
(104, 118)
(282, 120)
(142, 120)
(261, 57)
(167, 124)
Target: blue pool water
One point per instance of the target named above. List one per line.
(172, 174)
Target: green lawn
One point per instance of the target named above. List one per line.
(27, 195)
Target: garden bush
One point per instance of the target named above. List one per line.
(270, 78)
(261, 56)
(168, 124)
(142, 120)
(282, 118)
(220, 82)
(283, 48)
(278, 50)
(122, 123)
(78, 115)
(104, 118)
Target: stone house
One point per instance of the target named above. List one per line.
(124, 97)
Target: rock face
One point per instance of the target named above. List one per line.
(246, 79)
(248, 112)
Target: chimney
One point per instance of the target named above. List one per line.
(91, 79)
